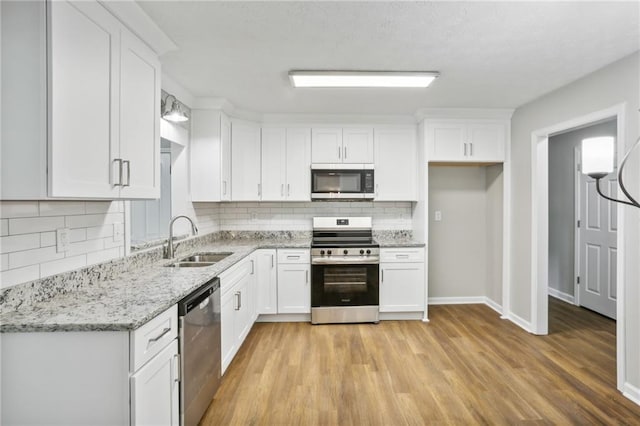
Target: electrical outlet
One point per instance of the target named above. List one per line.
(62, 240)
(438, 216)
(118, 232)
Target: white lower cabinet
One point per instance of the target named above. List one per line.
(237, 307)
(294, 281)
(155, 389)
(402, 280)
(266, 281)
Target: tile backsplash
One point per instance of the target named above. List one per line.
(28, 237)
(96, 228)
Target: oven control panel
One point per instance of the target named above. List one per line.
(342, 252)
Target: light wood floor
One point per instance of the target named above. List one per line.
(467, 366)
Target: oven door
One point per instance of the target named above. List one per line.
(344, 285)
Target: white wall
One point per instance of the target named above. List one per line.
(28, 237)
(494, 226)
(612, 85)
(562, 202)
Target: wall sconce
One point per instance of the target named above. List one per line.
(171, 109)
(598, 160)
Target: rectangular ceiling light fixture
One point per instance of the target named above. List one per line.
(334, 79)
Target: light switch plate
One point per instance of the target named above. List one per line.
(62, 239)
(438, 216)
(118, 232)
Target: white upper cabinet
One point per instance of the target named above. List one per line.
(83, 104)
(334, 145)
(98, 87)
(357, 145)
(474, 141)
(139, 119)
(286, 163)
(396, 168)
(210, 149)
(245, 161)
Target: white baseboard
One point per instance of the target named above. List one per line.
(284, 318)
(472, 300)
(566, 297)
(520, 322)
(493, 305)
(631, 392)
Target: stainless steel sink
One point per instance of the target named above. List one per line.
(206, 257)
(190, 264)
(199, 260)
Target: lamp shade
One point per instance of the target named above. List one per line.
(598, 156)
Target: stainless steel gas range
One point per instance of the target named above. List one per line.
(345, 263)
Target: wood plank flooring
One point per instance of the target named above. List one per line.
(467, 366)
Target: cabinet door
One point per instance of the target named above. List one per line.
(266, 282)
(245, 161)
(396, 166)
(274, 142)
(357, 145)
(326, 145)
(204, 151)
(298, 160)
(139, 119)
(155, 390)
(243, 320)
(229, 344)
(225, 158)
(294, 291)
(446, 141)
(402, 287)
(83, 99)
(486, 141)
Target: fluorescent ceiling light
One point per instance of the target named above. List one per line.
(361, 79)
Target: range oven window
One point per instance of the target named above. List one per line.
(344, 285)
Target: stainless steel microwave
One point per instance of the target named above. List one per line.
(328, 184)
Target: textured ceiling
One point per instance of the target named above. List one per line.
(489, 54)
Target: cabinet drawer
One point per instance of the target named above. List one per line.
(234, 274)
(293, 256)
(402, 255)
(151, 338)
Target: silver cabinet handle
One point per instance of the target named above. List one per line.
(253, 267)
(177, 368)
(259, 190)
(288, 189)
(306, 276)
(119, 161)
(224, 187)
(271, 261)
(382, 275)
(128, 163)
(160, 336)
(339, 152)
(377, 189)
(293, 257)
(471, 149)
(345, 152)
(465, 149)
(237, 295)
(402, 256)
(282, 190)
(239, 300)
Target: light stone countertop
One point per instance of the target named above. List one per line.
(130, 299)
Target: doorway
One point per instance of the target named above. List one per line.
(540, 228)
(582, 225)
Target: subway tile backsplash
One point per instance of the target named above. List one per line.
(28, 237)
(28, 228)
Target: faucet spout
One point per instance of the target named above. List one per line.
(170, 250)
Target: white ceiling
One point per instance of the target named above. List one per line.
(489, 54)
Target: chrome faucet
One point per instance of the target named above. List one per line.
(169, 251)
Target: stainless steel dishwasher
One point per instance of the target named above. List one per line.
(199, 328)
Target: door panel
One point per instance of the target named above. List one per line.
(298, 187)
(273, 163)
(357, 145)
(326, 145)
(597, 250)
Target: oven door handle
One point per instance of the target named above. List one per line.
(340, 261)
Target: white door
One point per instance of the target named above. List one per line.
(83, 101)
(357, 145)
(273, 163)
(225, 158)
(326, 145)
(298, 159)
(229, 340)
(139, 119)
(294, 291)
(598, 250)
(266, 280)
(245, 161)
(396, 165)
(154, 390)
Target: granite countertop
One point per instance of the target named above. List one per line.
(130, 299)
